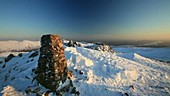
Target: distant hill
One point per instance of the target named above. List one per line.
(15, 46)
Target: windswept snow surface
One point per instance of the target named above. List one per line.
(108, 74)
(102, 73)
(153, 53)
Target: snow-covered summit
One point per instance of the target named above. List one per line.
(96, 73)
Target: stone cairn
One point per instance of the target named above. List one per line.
(52, 65)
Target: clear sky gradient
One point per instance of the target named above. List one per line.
(85, 19)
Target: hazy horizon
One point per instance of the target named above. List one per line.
(85, 19)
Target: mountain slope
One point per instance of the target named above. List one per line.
(18, 72)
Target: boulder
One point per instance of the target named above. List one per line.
(20, 54)
(9, 57)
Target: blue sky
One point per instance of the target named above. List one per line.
(85, 19)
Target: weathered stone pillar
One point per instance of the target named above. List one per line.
(52, 65)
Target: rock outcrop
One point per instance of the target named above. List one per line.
(9, 57)
(101, 47)
(104, 47)
(52, 65)
(73, 44)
